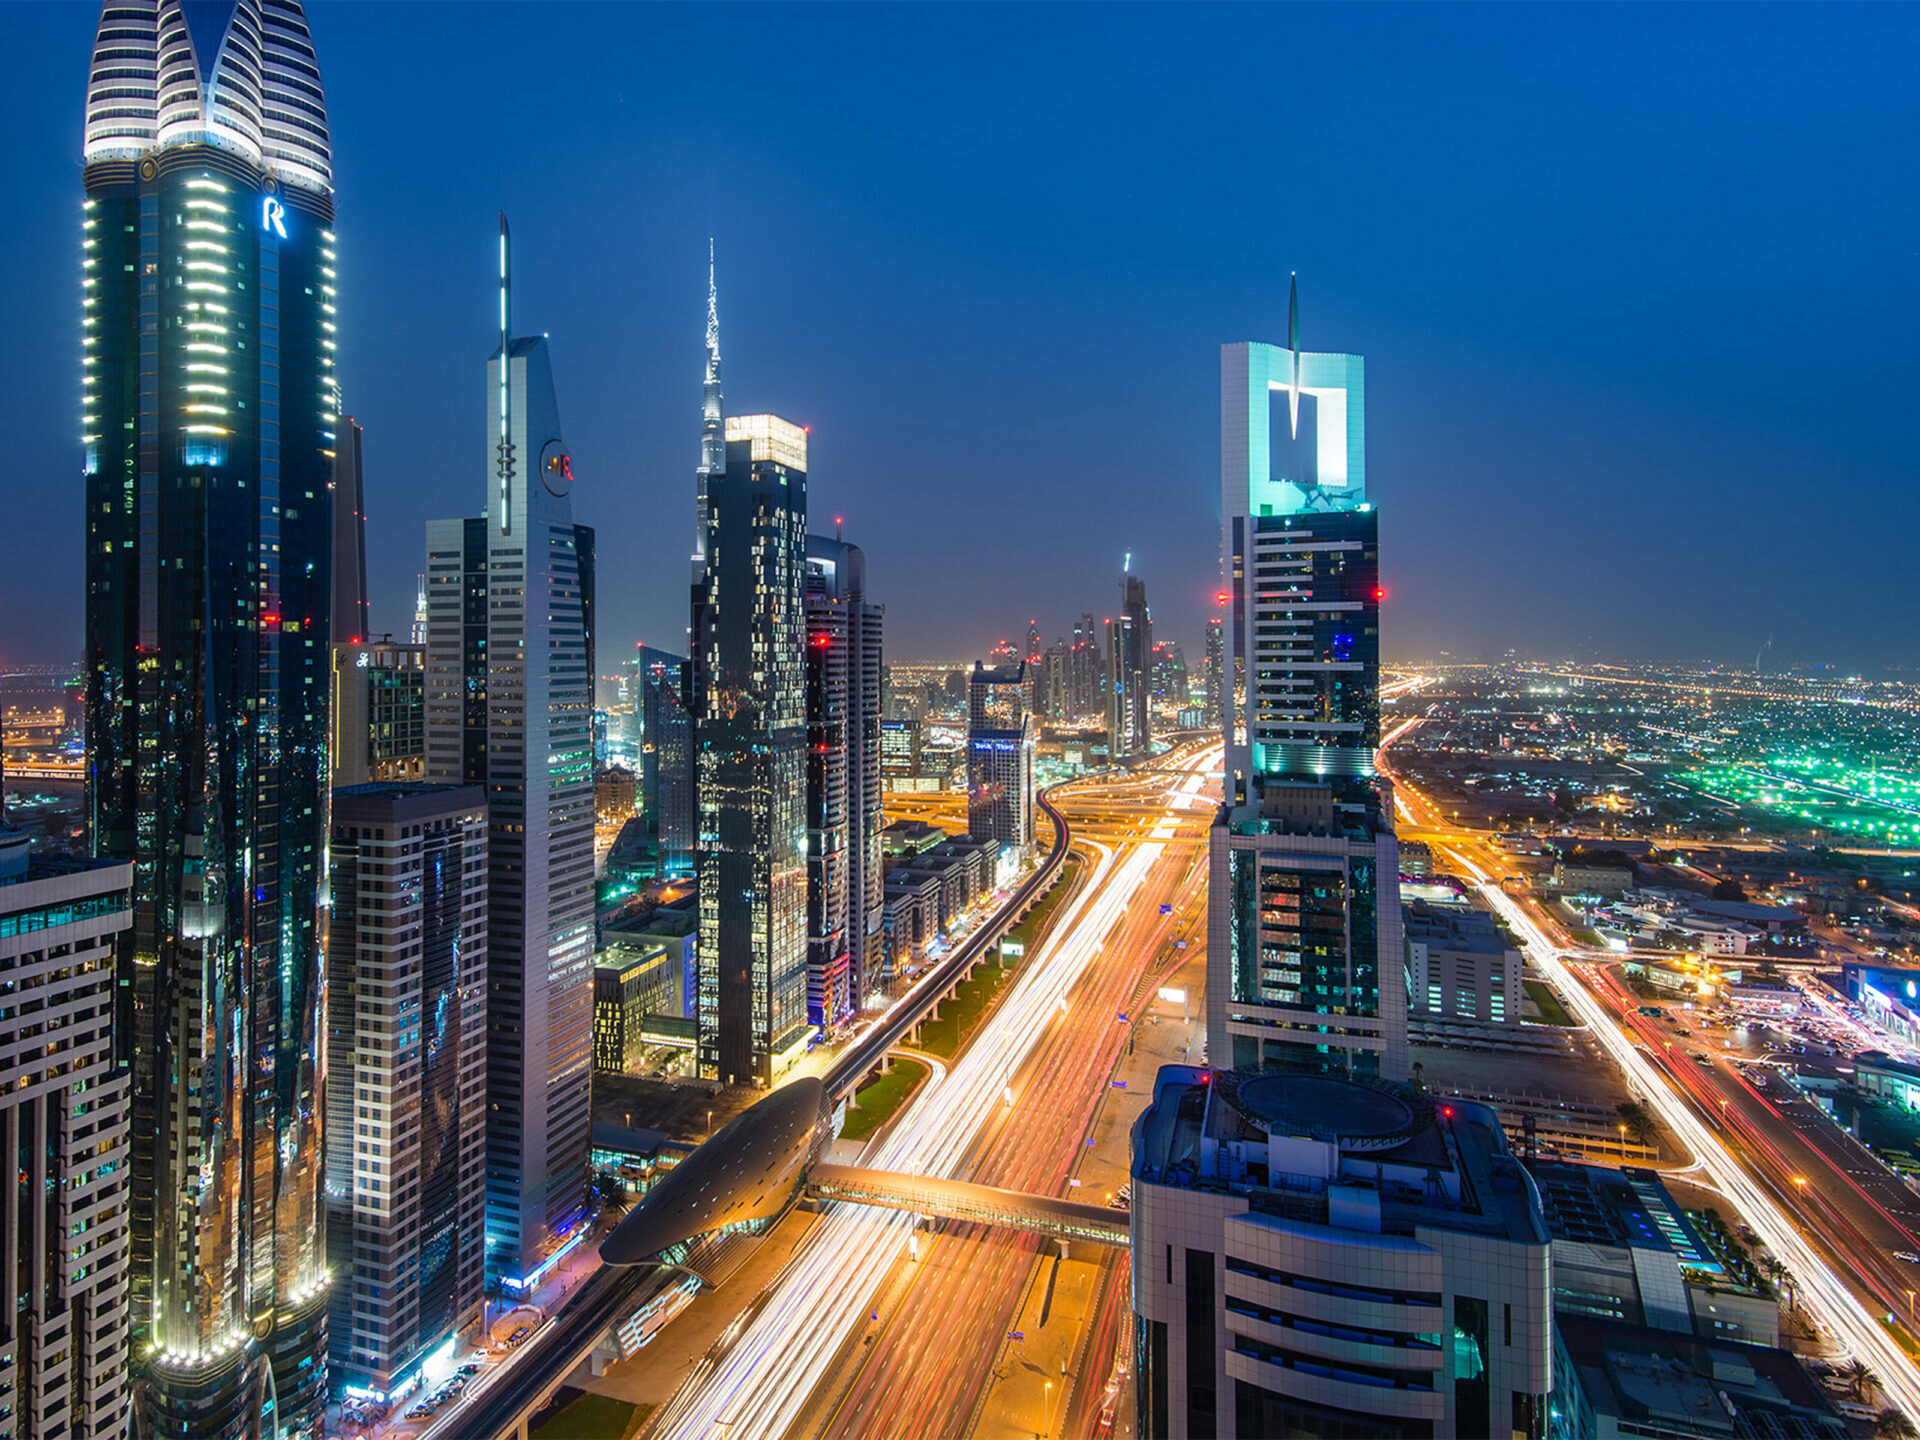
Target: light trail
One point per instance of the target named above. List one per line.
(1837, 1308)
(763, 1383)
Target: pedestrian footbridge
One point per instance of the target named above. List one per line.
(979, 1204)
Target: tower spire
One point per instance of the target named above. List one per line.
(713, 425)
(505, 462)
(1293, 347)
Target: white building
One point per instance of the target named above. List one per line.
(1321, 1256)
(63, 1110)
(510, 706)
(1460, 969)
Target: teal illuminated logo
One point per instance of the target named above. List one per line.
(273, 215)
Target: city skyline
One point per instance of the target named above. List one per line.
(412, 1031)
(1620, 362)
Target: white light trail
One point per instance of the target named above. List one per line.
(760, 1387)
(1832, 1302)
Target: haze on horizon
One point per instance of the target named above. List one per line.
(1633, 286)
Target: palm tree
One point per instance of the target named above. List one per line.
(611, 1193)
(1859, 1379)
(1890, 1424)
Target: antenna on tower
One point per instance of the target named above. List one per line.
(1293, 348)
(505, 464)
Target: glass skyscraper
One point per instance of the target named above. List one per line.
(750, 738)
(1000, 740)
(509, 706)
(209, 421)
(843, 781)
(1305, 965)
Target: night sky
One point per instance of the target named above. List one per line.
(1636, 287)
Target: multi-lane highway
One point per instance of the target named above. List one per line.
(1047, 1046)
(926, 1370)
(1804, 1192)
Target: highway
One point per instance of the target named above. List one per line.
(944, 1318)
(1830, 1232)
(497, 1403)
(765, 1384)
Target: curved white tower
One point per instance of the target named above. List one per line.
(238, 74)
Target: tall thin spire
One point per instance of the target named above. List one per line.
(504, 461)
(1293, 346)
(713, 425)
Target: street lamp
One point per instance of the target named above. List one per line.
(1049, 1430)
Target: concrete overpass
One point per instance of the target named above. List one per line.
(976, 1204)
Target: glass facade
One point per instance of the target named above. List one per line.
(406, 1074)
(209, 426)
(750, 735)
(1000, 742)
(509, 706)
(1306, 867)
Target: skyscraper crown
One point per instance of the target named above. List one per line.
(239, 74)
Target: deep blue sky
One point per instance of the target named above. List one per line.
(1636, 287)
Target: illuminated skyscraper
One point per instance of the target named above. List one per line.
(1088, 664)
(1306, 967)
(713, 426)
(1000, 740)
(843, 781)
(1216, 692)
(63, 1104)
(1133, 682)
(406, 1074)
(666, 757)
(750, 737)
(509, 707)
(209, 421)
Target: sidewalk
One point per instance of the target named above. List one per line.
(475, 1347)
(1018, 1402)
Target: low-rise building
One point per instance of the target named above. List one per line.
(1614, 1380)
(634, 977)
(1888, 997)
(1460, 969)
(1576, 879)
(1888, 1078)
(1321, 1256)
(1625, 1250)
(614, 793)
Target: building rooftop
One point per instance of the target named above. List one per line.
(1455, 928)
(1626, 1207)
(1354, 1154)
(397, 789)
(1664, 1383)
(18, 862)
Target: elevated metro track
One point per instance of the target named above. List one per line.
(939, 982)
(615, 1292)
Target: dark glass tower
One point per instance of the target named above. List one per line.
(209, 421)
(844, 896)
(666, 757)
(749, 699)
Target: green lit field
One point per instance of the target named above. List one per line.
(1864, 803)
